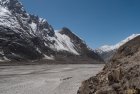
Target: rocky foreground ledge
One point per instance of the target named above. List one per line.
(120, 76)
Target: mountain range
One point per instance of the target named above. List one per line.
(27, 37)
(24, 36)
(107, 51)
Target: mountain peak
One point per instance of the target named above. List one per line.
(106, 51)
(70, 34)
(13, 5)
(66, 31)
(106, 48)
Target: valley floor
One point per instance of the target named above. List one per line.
(45, 79)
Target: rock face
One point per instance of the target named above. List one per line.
(107, 52)
(120, 76)
(27, 37)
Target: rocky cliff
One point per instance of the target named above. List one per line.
(120, 76)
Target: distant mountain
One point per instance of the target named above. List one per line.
(28, 37)
(107, 52)
(121, 75)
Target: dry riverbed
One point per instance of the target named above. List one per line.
(45, 79)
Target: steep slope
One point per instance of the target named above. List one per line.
(107, 52)
(79, 45)
(120, 76)
(27, 37)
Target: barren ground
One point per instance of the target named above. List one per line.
(45, 79)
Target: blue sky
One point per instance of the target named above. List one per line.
(98, 22)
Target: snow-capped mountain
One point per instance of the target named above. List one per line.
(26, 36)
(106, 51)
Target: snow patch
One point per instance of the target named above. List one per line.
(6, 18)
(42, 20)
(4, 11)
(63, 42)
(3, 2)
(48, 57)
(38, 50)
(4, 59)
(33, 26)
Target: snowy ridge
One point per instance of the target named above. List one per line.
(63, 42)
(3, 2)
(107, 48)
(6, 18)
